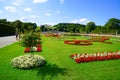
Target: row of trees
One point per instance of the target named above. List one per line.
(111, 26)
(10, 28)
(6, 28)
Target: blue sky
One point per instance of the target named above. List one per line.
(60, 11)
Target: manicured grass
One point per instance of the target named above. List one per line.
(59, 64)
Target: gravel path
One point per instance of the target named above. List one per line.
(4, 41)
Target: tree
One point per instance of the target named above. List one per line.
(31, 39)
(90, 26)
(69, 27)
(3, 21)
(17, 25)
(6, 28)
(113, 23)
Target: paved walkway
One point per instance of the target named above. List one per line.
(4, 41)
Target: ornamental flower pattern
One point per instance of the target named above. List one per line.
(80, 58)
(78, 42)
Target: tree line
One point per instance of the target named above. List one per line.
(112, 26)
(8, 28)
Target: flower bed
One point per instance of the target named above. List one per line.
(28, 61)
(52, 35)
(80, 58)
(78, 42)
(37, 48)
(100, 39)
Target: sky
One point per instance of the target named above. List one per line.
(60, 11)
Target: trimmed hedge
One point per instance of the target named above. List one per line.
(6, 30)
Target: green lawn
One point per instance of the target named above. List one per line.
(59, 64)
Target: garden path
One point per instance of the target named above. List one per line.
(4, 41)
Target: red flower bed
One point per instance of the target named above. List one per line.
(78, 42)
(37, 48)
(80, 58)
(100, 39)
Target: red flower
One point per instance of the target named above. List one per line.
(27, 50)
(39, 49)
(78, 60)
(77, 41)
(38, 45)
(72, 55)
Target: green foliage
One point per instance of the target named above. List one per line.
(10, 28)
(31, 39)
(113, 23)
(90, 26)
(6, 28)
(59, 64)
(23, 27)
(69, 27)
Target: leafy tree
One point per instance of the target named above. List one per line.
(17, 25)
(6, 28)
(113, 23)
(90, 26)
(68, 27)
(3, 21)
(31, 39)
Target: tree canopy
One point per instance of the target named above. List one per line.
(10, 28)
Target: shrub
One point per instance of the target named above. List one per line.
(28, 61)
(31, 40)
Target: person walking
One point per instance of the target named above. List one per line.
(16, 34)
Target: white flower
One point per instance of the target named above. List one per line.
(28, 61)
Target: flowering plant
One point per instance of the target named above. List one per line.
(79, 58)
(31, 40)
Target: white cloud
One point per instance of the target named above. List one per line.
(61, 1)
(58, 12)
(17, 2)
(39, 1)
(1, 0)
(10, 9)
(29, 18)
(34, 16)
(0, 11)
(24, 18)
(28, 9)
(47, 14)
(81, 21)
(74, 21)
